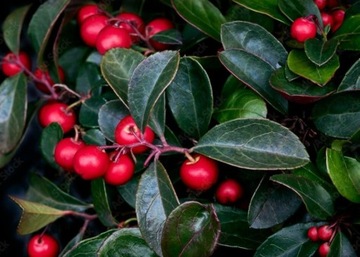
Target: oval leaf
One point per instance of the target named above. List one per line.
(94, 137)
(341, 246)
(320, 52)
(253, 144)
(299, 8)
(351, 80)
(89, 112)
(50, 136)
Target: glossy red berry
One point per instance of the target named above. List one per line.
(90, 162)
(200, 174)
(321, 4)
(229, 191)
(133, 23)
(112, 37)
(10, 67)
(43, 246)
(41, 74)
(303, 29)
(87, 11)
(156, 26)
(324, 249)
(120, 171)
(65, 151)
(91, 27)
(57, 112)
(312, 234)
(325, 232)
(127, 133)
(338, 16)
(327, 19)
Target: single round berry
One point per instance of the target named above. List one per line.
(133, 23)
(91, 27)
(302, 29)
(325, 232)
(156, 26)
(321, 4)
(65, 151)
(338, 16)
(42, 246)
(87, 11)
(327, 19)
(200, 174)
(312, 234)
(57, 112)
(121, 171)
(112, 37)
(324, 249)
(127, 133)
(44, 75)
(10, 66)
(229, 191)
(90, 162)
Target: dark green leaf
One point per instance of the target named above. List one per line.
(350, 43)
(94, 137)
(148, 82)
(13, 106)
(190, 98)
(88, 79)
(50, 136)
(192, 229)
(155, 200)
(158, 116)
(72, 244)
(351, 80)
(320, 52)
(350, 26)
(299, 8)
(88, 116)
(128, 191)
(341, 246)
(253, 144)
(135, 6)
(169, 37)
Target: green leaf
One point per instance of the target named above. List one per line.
(72, 243)
(267, 7)
(288, 241)
(148, 82)
(135, 6)
(235, 231)
(88, 116)
(94, 137)
(320, 52)
(192, 229)
(255, 40)
(12, 27)
(190, 98)
(271, 205)
(351, 80)
(338, 115)
(117, 66)
(155, 200)
(101, 202)
(341, 246)
(13, 106)
(349, 27)
(255, 73)
(169, 37)
(317, 200)
(128, 191)
(343, 172)
(253, 144)
(50, 136)
(42, 23)
(299, 63)
(158, 116)
(114, 242)
(88, 79)
(299, 8)
(202, 14)
(35, 216)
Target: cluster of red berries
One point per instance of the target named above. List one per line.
(103, 31)
(43, 245)
(322, 234)
(332, 15)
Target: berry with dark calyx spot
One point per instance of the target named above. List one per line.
(43, 246)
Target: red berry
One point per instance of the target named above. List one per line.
(324, 249)
(229, 191)
(90, 162)
(91, 27)
(64, 152)
(327, 19)
(312, 234)
(57, 112)
(325, 232)
(42, 246)
(321, 4)
(112, 37)
(10, 67)
(129, 21)
(338, 18)
(120, 171)
(303, 29)
(156, 26)
(127, 133)
(45, 75)
(87, 11)
(200, 174)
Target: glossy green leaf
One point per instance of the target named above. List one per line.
(50, 136)
(158, 116)
(94, 137)
(299, 63)
(169, 37)
(253, 144)
(350, 26)
(13, 106)
(12, 27)
(255, 73)
(351, 80)
(114, 242)
(317, 200)
(190, 98)
(101, 202)
(192, 229)
(343, 172)
(155, 200)
(42, 23)
(128, 191)
(350, 43)
(338, 115)
(235, 231)
(88, 116)
(148, 82)
(88, 79)
(341, 246)
(117, 66)
(71, 244)
(320, 52)
(202, 14)
(267, 7)
(35, 216)
(288, 241)
(299, 8)
(255, 40)
(271, 205)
